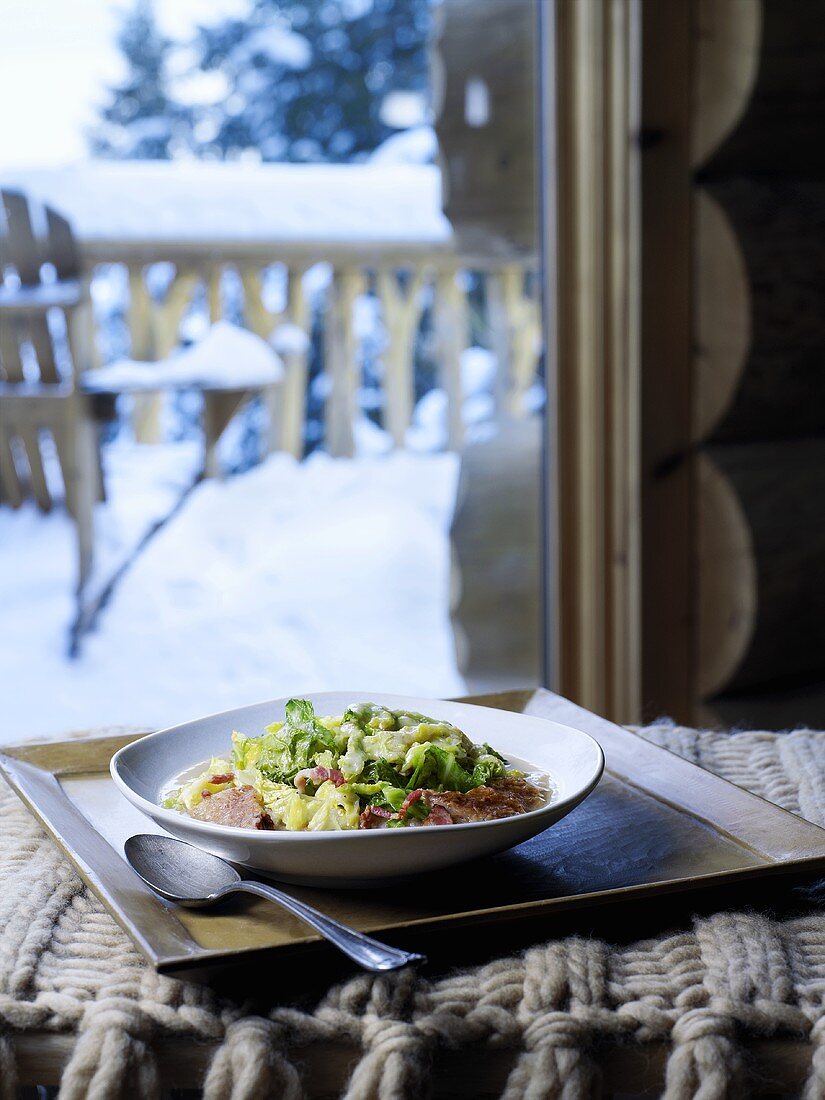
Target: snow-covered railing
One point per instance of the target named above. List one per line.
(341, 263)
(346, 304)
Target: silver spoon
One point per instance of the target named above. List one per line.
(182, 873)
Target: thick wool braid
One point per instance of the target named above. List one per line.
(249, 1065)
(397, 1054)
(109, 1063)
(706, 1062)
(396, 1063)
(565, 987)
(553, 1073)
(66, 966)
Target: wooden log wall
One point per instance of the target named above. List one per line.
(755, 459)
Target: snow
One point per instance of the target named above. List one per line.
(289, 339)
(227, 357)
(201, 87)
(418, 145)
(429, 430)
(479, 367)
(152, 202)
(293, 577)
(278, 44)
(38, 555)
(402, 109)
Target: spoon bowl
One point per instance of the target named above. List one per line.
(180, 872)
(188, 876)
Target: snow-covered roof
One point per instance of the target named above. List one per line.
(115, 206)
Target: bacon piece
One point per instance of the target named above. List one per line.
(226, 777)
(238, 806)
(411, 799)
(375, 818)
(318, 776)
(438, 815)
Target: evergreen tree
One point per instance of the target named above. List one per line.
(141, 121)
(308, 78)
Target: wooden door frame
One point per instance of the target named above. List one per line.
(590, 201)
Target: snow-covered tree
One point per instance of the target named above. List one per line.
(296, 80)
(141, 120)
(327, 80)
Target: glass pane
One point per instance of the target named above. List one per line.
(310, 346)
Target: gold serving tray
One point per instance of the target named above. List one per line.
(655, 825)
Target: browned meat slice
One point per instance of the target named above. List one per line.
(503, 798)
(238, 806)
(521, 790)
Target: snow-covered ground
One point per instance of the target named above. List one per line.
(289, 578)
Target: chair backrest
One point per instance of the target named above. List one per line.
(26, 299)
(24, 311)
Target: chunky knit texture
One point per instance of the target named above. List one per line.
(65, 966)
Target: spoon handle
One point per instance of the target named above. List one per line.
(367, 952)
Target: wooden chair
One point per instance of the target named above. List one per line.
(38, 393)
(47, 386)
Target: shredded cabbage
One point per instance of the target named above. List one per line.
(322, 773)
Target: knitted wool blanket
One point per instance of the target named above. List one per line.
(66, 967)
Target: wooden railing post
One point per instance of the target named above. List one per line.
(213, 293)
(451, 333)
(140, 315)
(146, 408)
(400, 288)
(169, 314)
(296, 368)
(261, 321)
(341, 359)
(516, 336)
(402, 314)
(258, 317)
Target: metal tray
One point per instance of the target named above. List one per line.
(656, 825)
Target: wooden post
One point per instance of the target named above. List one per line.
(213, 293)
(341, 360)
(402, 315)
(296, 367)
(219, 406)
(170, 313)
(258, 317)
(262, 322)
(451, 333)
(592, 308)
(140, 315)
(146, 415)
(517, 338)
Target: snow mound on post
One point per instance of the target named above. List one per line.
(228, 357)
(418, 145)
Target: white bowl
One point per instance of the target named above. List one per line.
(572, 759)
